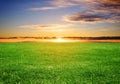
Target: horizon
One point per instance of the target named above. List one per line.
(61, 39)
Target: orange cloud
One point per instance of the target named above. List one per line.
(46, 26)
(43, 8)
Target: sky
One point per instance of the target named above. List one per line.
(59, 18)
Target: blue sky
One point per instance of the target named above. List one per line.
(59, 18)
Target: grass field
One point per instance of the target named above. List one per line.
(59, 63)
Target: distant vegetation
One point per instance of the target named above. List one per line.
(81, 38)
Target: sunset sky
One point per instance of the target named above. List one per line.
(59, 18)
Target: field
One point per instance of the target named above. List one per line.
(59, 63)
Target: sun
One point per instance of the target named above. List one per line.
(59, 39)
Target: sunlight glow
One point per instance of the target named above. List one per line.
(59, 40)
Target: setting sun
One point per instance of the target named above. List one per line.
(59, 40)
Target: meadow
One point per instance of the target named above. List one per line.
(59, 63)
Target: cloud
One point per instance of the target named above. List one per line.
(63, 3)
(43, 8)
(56, 4)
(97, 11)
(90, 10)
(85, 18)
(110, 3)
(92, 18)
(46, 26)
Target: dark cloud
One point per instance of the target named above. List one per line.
(86, 18)
(110, 3)
(91, 10)
(97, 11)
(90, 18)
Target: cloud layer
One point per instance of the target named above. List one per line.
(92, 10)
(84, 18)
(43, 8)
(97, 11)
(46, 26)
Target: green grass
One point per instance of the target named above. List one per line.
(59, 63)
